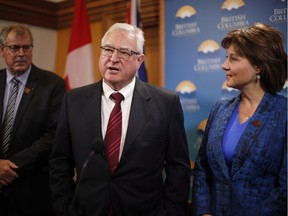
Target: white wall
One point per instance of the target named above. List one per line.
(44, 51)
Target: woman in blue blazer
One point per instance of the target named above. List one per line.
(241, 167)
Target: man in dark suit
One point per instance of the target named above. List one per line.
(25, 145)
(151, 174)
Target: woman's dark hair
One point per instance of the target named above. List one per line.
(263, 46)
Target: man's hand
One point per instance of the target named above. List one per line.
(7, 174)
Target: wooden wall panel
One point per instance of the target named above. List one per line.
(59, 15)
(102, 14)
(63, 36)
(97, 30)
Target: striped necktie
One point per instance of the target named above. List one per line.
(9, 118)
(114, 131)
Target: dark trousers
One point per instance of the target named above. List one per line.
(9, 206)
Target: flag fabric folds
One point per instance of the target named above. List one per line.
(133, 18)
(79, 69)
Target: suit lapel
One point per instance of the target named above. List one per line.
(29, 90)
(217, 140)
(254, 127)
(140, 110)
(2, 91)
(91, 110)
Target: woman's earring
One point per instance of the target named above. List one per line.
(258, 77)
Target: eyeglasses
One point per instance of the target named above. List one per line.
(124, 54)
(16, 48)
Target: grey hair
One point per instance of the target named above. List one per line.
(130, 29)
(19, 29)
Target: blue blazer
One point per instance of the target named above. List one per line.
(256, 184)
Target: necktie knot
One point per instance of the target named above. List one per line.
(15, 81)
(118, 97)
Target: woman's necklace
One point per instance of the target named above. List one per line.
(245, 113)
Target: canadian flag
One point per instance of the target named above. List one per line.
(133, 18)
(79, 69)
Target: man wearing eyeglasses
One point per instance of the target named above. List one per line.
(30, 100)
(150, 175)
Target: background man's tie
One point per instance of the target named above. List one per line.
(8, 118)
(114, 131)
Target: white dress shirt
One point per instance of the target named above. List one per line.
(107, 105)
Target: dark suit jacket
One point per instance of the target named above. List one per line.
(32, 138)
(256, 184)
(155, 139)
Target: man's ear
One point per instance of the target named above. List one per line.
(140, 60)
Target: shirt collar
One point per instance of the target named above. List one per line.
(127, 91)
(22, 78)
